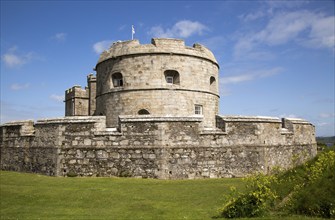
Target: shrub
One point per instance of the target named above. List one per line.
(316, 196)
(307, 189)
(256, 202)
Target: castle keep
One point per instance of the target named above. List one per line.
(152, 111)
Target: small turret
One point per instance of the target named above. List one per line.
(76, 101)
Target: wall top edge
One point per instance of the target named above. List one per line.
(158, 45)
(17, 123)
(237, 118)
(149, 118)
(297, 120)
(72, 119)
(241, 118)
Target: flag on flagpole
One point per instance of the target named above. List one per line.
(132, 32)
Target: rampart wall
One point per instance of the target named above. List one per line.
(155, 147)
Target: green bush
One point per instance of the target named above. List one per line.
(256, 202)
(316, 196)
(308, 189)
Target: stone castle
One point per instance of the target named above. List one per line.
(151, 111)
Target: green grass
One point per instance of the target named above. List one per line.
(34, 196)
(31, 196)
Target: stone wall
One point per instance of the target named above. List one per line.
(24, 150)
(155, 147)
(143, 70)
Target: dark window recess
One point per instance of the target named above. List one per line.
(212, 83)
(172, 77)
(117, 80)
(143, 112)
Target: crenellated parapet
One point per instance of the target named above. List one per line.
(157, 46)
(76, 101)
(76, 91)
(81, 101)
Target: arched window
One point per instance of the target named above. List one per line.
(143, 112)
(172, 77)
(117, 80)
(212, 83)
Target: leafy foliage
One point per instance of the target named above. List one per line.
(316, 195)
(255, 202)
(308, 189)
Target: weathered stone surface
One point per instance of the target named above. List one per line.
(144, 85)
(156, 148)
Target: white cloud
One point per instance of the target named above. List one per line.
(251, 75)
(17, 86)
(306, 28)
(14, 59)
(58, 98)
(284, 27)
(322, 33)
(182, 29)
(59, 37)
(100, 46)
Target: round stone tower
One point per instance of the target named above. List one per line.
(164, 78)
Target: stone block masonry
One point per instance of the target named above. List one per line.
(155, 147)
(162, 78)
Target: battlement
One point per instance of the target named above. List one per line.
(76, 91)
(77, 101)
(91, 77)
(157, 46)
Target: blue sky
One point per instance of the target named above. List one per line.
(276, 57)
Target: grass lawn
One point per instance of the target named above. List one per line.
(31, 196)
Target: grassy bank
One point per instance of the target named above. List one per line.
(35, 196)
(31, 196)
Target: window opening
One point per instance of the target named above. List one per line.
(212, 83)
(169, 79)
(198, 109)
(117, 80)
(172, 77)
(143, 112)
